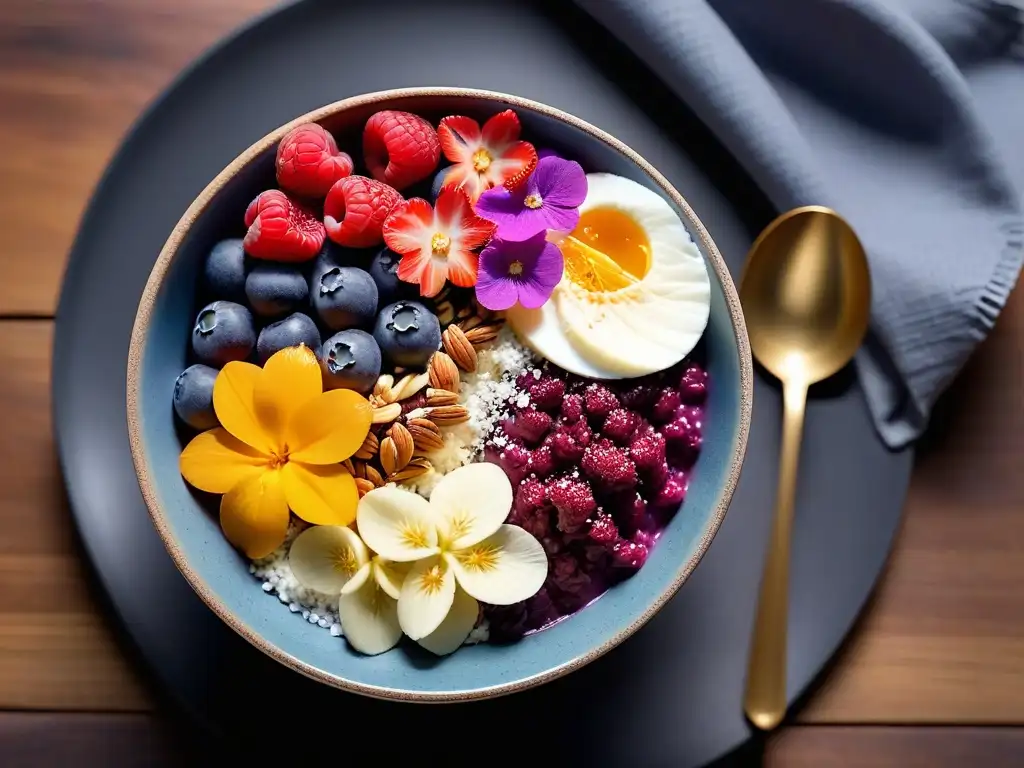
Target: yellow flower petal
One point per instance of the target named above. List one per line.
(369, 619)
(329, 428)
(426, 598)
(389, 576)
(254, 515)
(326, 557)
(320, 495)
(397, 524)
(215, 461)
(505, 568)
(233, 403)
(472, 501)
(290, 378)
(455, 628)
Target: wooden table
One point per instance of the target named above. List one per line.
(933, 676)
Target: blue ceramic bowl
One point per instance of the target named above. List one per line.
(220, 575)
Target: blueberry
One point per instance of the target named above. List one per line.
(334, 255)
(436, 184)
(350, 360)
(344, 297)
(225, 270)
(384, 271)
(276, 289)
(193, 397)
(408, 333)
(223, 332)
(293, 330)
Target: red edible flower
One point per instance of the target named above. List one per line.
(437, 243)
(485, 158)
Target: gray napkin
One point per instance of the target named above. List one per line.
(906, 117)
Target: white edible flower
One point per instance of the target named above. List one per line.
(460, 552)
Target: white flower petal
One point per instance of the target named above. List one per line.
(426, 597)
(471, 502)
(356, 582)
(325, 557)
(505, 568)
(369, 619)
(456, 626)
(397, 524)
(389, 575)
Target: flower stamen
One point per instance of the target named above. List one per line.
(533, 201)
(479, 558)
(277, 460)
(481, 160)
(440, 244)
(515, 268)
(432, 580)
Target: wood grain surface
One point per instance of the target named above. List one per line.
(942, 644)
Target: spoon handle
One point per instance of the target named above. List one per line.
(765, 698)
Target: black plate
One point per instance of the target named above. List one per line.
(669, 696)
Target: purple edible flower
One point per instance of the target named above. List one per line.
(549, 199)
(526, 271)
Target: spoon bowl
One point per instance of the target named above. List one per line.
(806, 297)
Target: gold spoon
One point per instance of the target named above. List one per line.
(806, 296)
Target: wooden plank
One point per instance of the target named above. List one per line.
(133, 741)
(73, 77)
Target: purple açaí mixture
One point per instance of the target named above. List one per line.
(599, 469)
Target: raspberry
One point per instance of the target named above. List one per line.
(673, 491)
(620, 425)
(309, 162)
(684, 440)
(572, 408)
(603, 530)
(564, 447)
(355, 210)
(640, 397)
(548, 393)
(665, 407)
(647, 450)
(629, 554)
(630, 511)
(537, 522)
(542, 463)
(693, 386)
(574, 502)
(529, 424)
(580, 432)
(609, 466)
(515, 460)
(599, 400)
(566, 574)
(400, 148)
(531, 495)
(280, 229)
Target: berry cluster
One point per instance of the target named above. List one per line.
(599, 468)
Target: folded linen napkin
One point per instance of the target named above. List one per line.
(865, 106)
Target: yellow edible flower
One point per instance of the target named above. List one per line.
(280, 446)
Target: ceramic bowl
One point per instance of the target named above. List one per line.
(220, 575)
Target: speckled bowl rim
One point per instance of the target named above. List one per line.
(140, 332)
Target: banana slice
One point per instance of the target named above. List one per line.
(635, 296)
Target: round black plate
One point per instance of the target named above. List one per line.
(669, 696)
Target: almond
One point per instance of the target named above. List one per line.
(415, 468)
(382, 389)
(410, 385)
(403, 441)
(350, 466)
(368, 449)
(364, 486)
(425, 435)
(448, 415)
(459, 348)
(445, 312)
(385, 414)
(443, 373)
(483, 334)
(374, 476)
(437, 397)
(390, 461)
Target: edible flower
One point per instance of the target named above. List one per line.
(550, 199)
(437, 243)
(460, 552)
(279, 447)
(332, 559)
(525, 272)
(488, 157)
